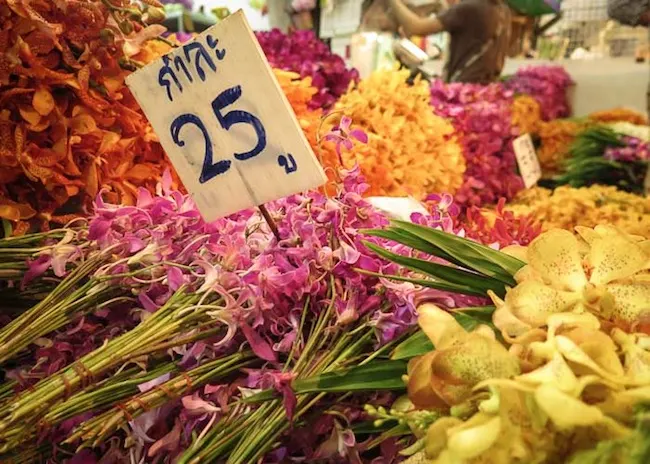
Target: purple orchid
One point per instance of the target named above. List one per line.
(342, 136)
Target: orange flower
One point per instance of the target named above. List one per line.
(69, 126)
(410, 150)
(556, 139)
(526, 114)
(619, 115)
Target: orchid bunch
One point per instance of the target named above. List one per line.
(567, 207)
(152, 288)
(548, 85)
(483, 122)
(603, 156)
(410, 150)
(70, 126)
(303, 53)
(568, 374)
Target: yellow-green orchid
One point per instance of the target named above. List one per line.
(445, 377)
(605, 273)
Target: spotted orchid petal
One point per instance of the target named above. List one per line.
(533, 302)
(630, 305)
(615, 257)
(419, 388)
(554, 255)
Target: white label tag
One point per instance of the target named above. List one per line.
(527, 160)
(225, 123)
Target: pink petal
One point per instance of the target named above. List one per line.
(344, 126)
(360, 135)
(347, 144)
(260, 346)
(198, 406)
(174, 278)
(143, 387)
(446, 201)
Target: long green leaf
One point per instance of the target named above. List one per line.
(443, 273)
(478, 257)
(429, 283)
(383, 375)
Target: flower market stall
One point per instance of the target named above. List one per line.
(471, 319)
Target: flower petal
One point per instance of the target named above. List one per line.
(565, 411)
(615, 257)
(360, 135)
(631, 304)
(554, 255)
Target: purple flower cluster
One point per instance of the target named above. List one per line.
(634, 150)
(303, 53)
(264, 283)
(548, 85)
(481, 115)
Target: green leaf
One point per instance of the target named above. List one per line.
(445, 286)
(6, 228)
(419, 344)
(472, 255)
(385, 375)
(442, 273)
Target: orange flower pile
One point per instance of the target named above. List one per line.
(526, 114)
(69, 127)
(556, 139)
(619, 115)
(410, 150)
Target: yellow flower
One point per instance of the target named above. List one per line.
(568, 207)
(445, 377)
(604, 275)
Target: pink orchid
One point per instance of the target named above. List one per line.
(341, 135)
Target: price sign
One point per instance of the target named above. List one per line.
(225, 123)
(527, 160)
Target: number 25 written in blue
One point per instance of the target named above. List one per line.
(210, 168)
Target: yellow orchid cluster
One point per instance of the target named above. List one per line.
(526, 114)
(577, 361)
(410, 150)
(567, 207)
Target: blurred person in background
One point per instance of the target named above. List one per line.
(632, 13)
(479, 31)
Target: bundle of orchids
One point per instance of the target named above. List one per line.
(560, 370)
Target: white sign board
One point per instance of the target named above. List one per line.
(225, 123)
(527, 160)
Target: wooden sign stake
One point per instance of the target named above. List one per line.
(269, 220)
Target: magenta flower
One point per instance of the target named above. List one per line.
(342, 136)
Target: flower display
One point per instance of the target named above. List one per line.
(567, 207)
(556, 138)
(69, 127)
(216, 310)
(483, 121)
(572, 367)
(619, 115)
(302, 52)
(548, 85)
(412, 151)
(526, 114)
(601, 155)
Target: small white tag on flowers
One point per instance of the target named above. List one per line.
(527, 160)
(225, 123)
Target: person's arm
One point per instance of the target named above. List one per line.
(412, 23)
